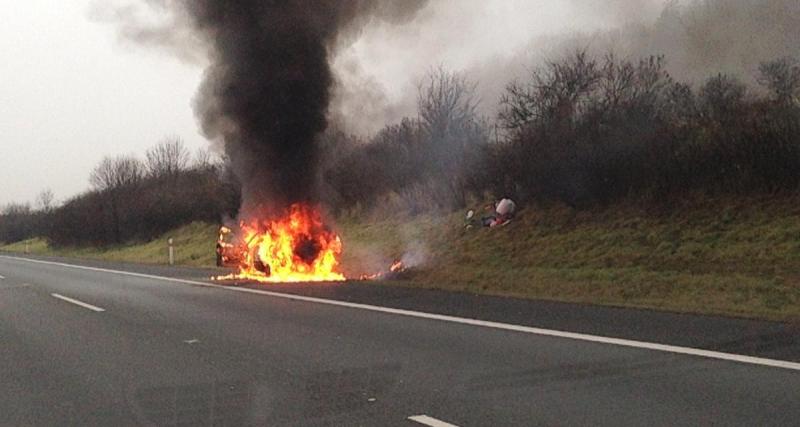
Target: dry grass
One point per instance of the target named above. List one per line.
(194, 246)
(740, 260)
(743, 260)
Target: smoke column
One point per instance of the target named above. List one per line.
(377, 66)
(267, 88)
(268, 83)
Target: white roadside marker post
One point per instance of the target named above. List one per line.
(171, 251)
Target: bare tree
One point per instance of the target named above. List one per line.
(446, 101)
(556, 93)
(203, 159)
(116, 172)
(168, 158)
(16, 209)
(44, 201)
(782, 78)
(17, 222)
(721, 96)
(451, 129)
(115, 177)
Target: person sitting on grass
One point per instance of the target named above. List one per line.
(504, 211)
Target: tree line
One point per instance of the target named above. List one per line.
(582, 130)
(131, 199)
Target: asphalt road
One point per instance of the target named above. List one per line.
(91, 347)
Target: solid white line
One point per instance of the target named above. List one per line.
(730, 357)
(76, 302)
(430, 421)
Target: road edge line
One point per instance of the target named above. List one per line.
(665, 348)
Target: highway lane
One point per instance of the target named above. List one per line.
(172, 353)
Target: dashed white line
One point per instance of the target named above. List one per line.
(430, 421)
(76, 302)
(730, 357)
(2, 277)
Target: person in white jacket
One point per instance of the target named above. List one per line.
(504, 211)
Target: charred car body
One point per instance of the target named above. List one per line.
(229, 252)
(232, 252)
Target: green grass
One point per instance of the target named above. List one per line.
(34, 246)
(194, 246)
(742, 260)
(738, 257)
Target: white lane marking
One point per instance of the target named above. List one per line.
(76, 302)
(2, 277)
(730, 357)
(430, 421)
(192, 341)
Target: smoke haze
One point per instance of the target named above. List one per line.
(278, 74)
(494, 43)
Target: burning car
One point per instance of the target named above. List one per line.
(295, 247)
(233, 253)
(229, 254)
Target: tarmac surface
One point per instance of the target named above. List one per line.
(88, 343)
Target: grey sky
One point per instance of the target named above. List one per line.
(71, 92)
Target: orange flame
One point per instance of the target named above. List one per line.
(296, 248)
(396, 267)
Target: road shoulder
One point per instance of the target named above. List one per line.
(774, 340)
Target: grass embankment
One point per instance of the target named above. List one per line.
(731, 257)
(194, 246)
(736, 257)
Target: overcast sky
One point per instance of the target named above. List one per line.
(71, 92)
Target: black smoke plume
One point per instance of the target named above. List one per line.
(268, 84)
(267, 89)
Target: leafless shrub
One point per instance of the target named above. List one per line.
(556, 92)
(168, 158)
(45, 201)
(115, 215)
(721, 96)
(446, 102)
(585, 133)
(782, 78)
(116, 172)
(452, 134)
(17, 222)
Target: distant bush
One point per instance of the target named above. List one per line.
(18, 222)
(437, 154)
(143, 209)
(587, 132)
(131, 200)
(583, 131)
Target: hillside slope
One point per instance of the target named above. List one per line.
(742, 259)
